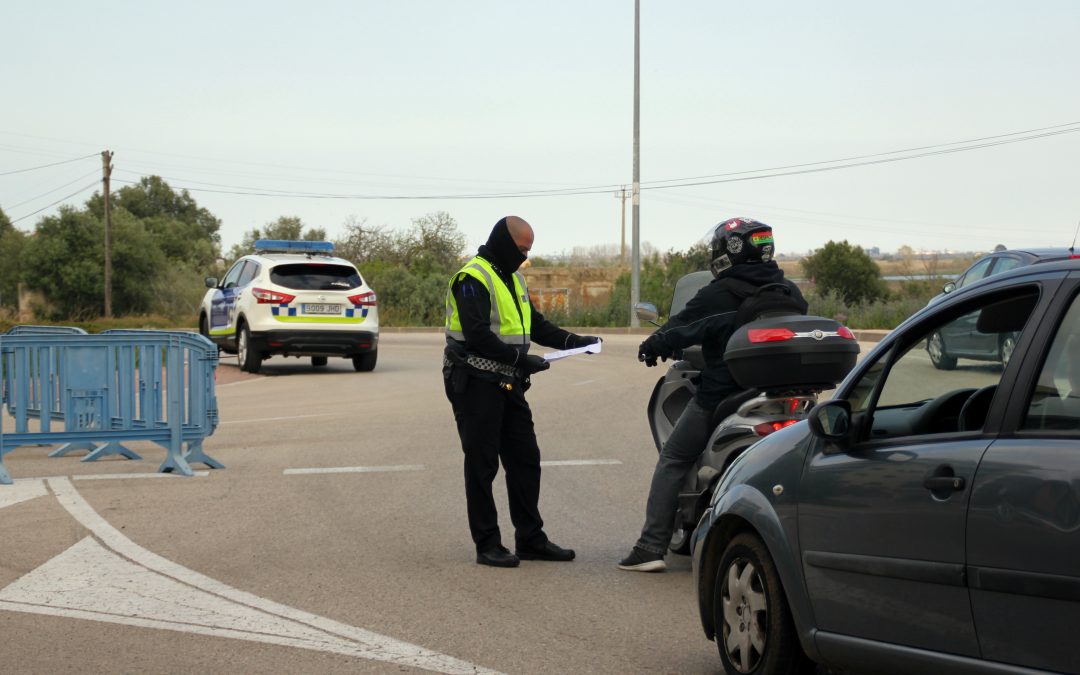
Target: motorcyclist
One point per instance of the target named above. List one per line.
(742, 263)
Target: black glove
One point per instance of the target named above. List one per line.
(576, 341)
(533, 364)
(648, 353)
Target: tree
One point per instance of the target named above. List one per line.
(289, 228)
(847, 271)
(12, 241)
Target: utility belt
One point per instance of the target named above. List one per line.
(458, 367)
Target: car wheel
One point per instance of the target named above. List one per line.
(935, 346)
(318, 361)
(1006, 349)
(754, 629)
(249, 360)
(365, 362)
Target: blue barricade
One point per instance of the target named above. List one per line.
(122, 385)
(30, 330)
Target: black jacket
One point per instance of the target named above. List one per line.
(709, 320)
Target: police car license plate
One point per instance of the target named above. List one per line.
(310, 308)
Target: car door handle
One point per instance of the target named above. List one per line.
(936, 483)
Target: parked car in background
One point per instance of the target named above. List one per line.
(292, 298)
(923, 520)
(998, 262)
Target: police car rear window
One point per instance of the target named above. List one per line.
(316, 277)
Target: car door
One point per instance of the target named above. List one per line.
(882, 523)
(223, 305)
(1024, 523)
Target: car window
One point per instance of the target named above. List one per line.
(978, 271)
(1006, 263)
(233, 275)
(316, 277)
(1054, 405)
(251, 269)
(919, 396)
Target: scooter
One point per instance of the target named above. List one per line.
(738, 422)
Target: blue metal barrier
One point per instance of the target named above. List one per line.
(123, 385)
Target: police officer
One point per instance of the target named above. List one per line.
(742, 263)
(490, 324)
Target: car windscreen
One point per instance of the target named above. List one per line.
(316, 277)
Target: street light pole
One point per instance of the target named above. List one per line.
(635, 264)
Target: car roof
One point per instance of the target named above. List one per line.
(276, 258)
(1040, 253)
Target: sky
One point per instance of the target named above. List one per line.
(387, 111)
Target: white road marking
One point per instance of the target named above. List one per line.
(282, 419)
(144, 589)
(111, 476)
(578, 384)
(21, 490)
(356, 469)
(578, 462)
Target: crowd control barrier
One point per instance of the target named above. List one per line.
(95, 391)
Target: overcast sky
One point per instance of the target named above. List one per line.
(415, 99)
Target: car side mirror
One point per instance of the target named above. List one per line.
(646, 311)
(211, 282)
(949, 287)
(831, 421)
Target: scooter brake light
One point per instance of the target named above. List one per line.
(845, 333)
(770, 334)
(766, 428)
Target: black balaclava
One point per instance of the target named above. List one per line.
(501, 250)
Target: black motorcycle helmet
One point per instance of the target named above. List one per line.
(740, 241)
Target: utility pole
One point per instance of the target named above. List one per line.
(106, 169)
(621, 194)
(635, 271)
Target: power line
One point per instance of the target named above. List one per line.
(80, 190)
(45, 166)
(55, 189)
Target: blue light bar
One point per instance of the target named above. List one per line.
(288, 246)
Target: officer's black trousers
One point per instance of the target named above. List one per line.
(495, 424)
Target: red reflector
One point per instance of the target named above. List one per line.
(845, 333)
(365, 345)
(769, 334)
(275, 344)
(766, 428)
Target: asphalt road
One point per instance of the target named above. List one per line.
(282, 562)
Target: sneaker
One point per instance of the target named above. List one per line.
(643, 561)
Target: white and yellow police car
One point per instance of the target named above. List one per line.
(292, 298)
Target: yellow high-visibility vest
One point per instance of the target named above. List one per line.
(511, 318)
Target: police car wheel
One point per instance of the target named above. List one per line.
(318, 361)
(249, 360)
(365, 362)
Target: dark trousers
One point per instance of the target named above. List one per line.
(495, 424)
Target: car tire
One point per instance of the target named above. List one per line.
(319, 361)
(365, 363)
(250, 361)
(755, 633)
(1006, 349)
(935, 347)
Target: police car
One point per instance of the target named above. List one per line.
(292, 298)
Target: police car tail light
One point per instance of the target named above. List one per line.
(266, 297)
(364, 299)
(766, 428)
(770, 334)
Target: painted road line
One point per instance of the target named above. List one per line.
(282, 419)
(578, 462)
(21, 490)
(112, 476)
(356, 469)
(578, 384)
(58, 590)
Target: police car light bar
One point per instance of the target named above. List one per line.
(287, 246)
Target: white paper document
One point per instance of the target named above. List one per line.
(587, 349)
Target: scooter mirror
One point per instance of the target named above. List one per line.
(646, 311)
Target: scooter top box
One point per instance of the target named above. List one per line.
(791, 353)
